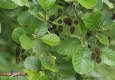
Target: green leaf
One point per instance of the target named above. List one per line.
(68, 0)
(22, 77)
(26, 42)
(44, 77)
(99, 4)
(93, 20)
(66, 69)
(25, 18)
(82, 28)
(32, 63)
(68, 46)
(20, 2)
(96, 75)
(107, 18)
(7, 4)
(17, 32)
(66, 78)
(48, 62)
(0, 28)
(51, 39)
(34, 10)
(82, 61)
(88, 3)
(40, 47)
(46, 4)
(103, 39)
(12, 12)
(108, 57)
(33, 75)
(109, 4)
(37, 24)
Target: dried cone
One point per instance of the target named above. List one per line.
(98, 59)
(17, 60)
(93, 55)
(72, 29)
(97, 50)
(60, 28)
(68, 21)
(52, 18)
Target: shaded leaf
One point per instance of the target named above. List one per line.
(92, 20)
(82, 28)
(17, 32)
(25, 18)
(7, 4)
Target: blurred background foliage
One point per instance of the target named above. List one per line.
(8, 46)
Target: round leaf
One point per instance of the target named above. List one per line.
(46, 4)
(26, 42)
(88, 3)
(93, 20)
(51, 39)
(103, 39)
(7, 4)
(25, 18)
(17, 32)
(108, 57)
(44, 77)
(82, 61)
(68, 46)
(20, 2)
(32, 63)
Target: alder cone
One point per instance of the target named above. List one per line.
(57, 32)
(93, 55)
(76, 22)
(97, 50)
(23, 56)
(98, 60)
(17, 60)
(68, 21)
(72, 29)
(59, 21)
(52, 18)
(60, 28)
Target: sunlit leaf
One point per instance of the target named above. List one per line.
(26, 42)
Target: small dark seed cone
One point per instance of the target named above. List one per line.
(89, 33)
(23, 56)
(93, 55)
(59, 21)
(97, 50)
(57, 32)
(76, 22)
(17, 60)
(23, 50)
(52, 18)
(72, 29)
(60, 28)
(98, 60)
(68, 21)
(17, 49)
(54, 27)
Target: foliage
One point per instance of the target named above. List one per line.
(61, 39)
